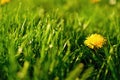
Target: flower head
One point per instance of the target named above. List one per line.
(4, 1)
(94, 41)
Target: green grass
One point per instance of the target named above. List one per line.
(44, 40)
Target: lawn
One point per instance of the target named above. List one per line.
(46, 40)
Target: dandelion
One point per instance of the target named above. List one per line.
(4, 1)
(95, 41)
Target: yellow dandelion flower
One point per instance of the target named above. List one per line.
(94, 41)
(4, 1)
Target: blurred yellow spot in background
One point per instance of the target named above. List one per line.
(95, 1)
(2, 2)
